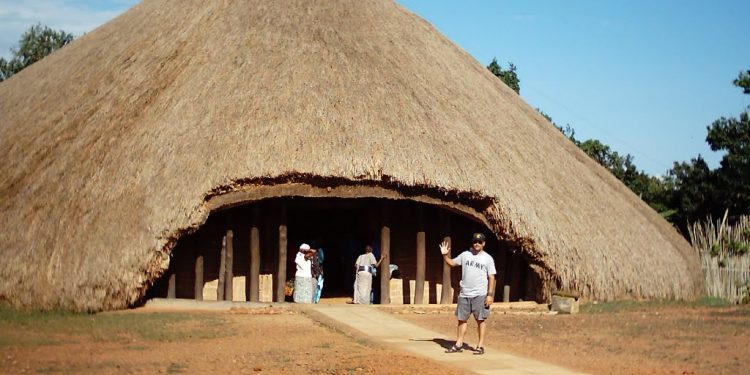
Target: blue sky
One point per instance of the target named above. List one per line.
(645, 77)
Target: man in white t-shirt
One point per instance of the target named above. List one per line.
(477, 289)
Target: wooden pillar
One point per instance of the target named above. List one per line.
(281, 274)
(446, 298)
(171, 289)
(421, 260)
(385, 251)
(419, 279)
(222, 270)
(199, 278)
(254, 258)
(229, 283)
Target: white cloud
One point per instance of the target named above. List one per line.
(76, 17)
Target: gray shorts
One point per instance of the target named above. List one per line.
(472, 305)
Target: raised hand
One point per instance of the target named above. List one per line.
(445, 248)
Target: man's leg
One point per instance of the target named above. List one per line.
(461, 332)
(481, 313)
(463, 310)
(482, 328)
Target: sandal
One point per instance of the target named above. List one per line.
(455, 349)
(479, 350)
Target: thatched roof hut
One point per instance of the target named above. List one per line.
(118, 144)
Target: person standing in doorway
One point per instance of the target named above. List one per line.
(366, 266)
(303, 290)
(477, 289)
(317, 273)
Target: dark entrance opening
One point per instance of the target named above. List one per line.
(342, 228)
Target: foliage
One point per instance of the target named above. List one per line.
(700, 192)
(508, 76)
(732, 136)
(35, 43)
(691, 187)
(743, 81)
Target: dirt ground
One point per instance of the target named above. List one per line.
(267, 341)
(617, 338)
(620, 338)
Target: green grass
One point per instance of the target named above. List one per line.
(712, 302)
(65, 368)
(125, 327)
(176, 368)
(26, 340)
(618, 306)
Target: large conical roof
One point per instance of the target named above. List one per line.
(111, 147)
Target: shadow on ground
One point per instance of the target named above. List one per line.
(445, 344)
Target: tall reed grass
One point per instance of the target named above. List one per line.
(725, 257)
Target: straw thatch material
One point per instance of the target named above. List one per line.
(111, 147)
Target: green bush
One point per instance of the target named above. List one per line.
(716, 249)
(738, 248)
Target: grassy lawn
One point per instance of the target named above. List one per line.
(620, 306)
(33, 328)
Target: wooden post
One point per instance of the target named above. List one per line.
(281, 274)
(254, 263)
(420, 258)
(419, 280)
(385, 251)
(199, 278)
(171, 289)
(229, 281)
(446, 297)
(222, 270)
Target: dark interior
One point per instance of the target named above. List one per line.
(342, 228)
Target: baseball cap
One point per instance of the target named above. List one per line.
(304, 246)
(477, 237)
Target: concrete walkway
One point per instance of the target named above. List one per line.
(386, 328)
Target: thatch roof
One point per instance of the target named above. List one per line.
(111, 147)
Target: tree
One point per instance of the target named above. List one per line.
(732, 135)
(698, 192)
(508, 76)
(35, 43)
(691, 192)
(743, 81)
